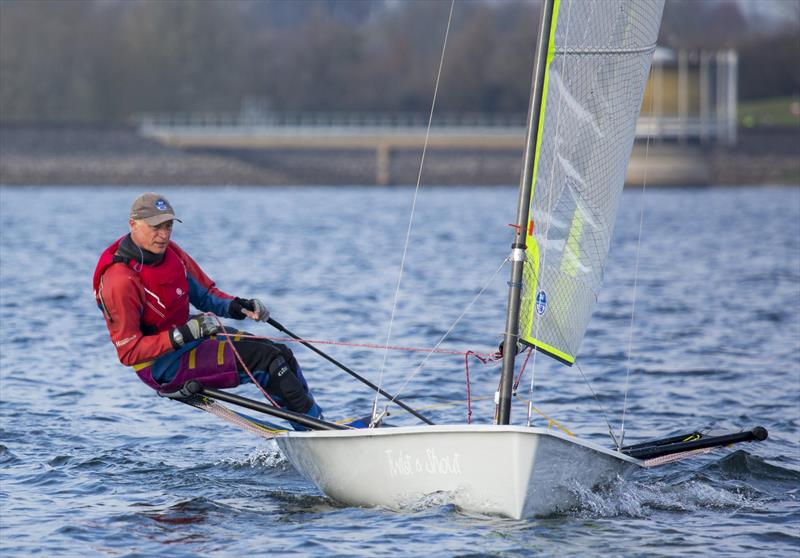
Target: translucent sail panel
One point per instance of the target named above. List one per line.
(599, 56)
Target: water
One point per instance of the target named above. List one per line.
(93, 462)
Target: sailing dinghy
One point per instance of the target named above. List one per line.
(591, 65)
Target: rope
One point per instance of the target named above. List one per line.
(469, 394)
(359, 345)
(484, 360)
(234, 418)
(446, 333)
(445, 404)
(522, 370)
(664, 459)
(550, 421)
(414, 204)
(229, 341)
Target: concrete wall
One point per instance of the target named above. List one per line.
(87, 156)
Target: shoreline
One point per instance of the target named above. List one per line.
(84, 155)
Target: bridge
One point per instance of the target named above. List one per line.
(691, 95)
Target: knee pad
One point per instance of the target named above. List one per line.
(289, 357)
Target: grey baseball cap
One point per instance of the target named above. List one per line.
(153, 209)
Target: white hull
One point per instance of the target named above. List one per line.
(507, 470)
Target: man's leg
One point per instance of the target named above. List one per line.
(277, 371)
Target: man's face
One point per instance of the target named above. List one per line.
(150, 238)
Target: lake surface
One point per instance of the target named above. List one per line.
(94, 463)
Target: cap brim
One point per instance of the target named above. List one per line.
(158, 219)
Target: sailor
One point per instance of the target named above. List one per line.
(144, 284)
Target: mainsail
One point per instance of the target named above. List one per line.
(598, 58)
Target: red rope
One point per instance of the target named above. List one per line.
(522, 370)
(516, 382)
(240, 359)
(362, 345)
(485, 359)
(469, 395)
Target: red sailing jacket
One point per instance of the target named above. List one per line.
(141, 303)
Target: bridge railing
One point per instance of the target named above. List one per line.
(211, 124)
(330, 120)
(690, 95)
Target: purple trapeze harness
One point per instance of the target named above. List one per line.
(212, 363)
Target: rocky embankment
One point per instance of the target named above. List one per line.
(119, 156)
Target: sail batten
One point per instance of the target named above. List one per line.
(598, 51)
(599, 54)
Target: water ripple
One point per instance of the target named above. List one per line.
(93, 463)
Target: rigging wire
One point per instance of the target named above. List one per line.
(599, 404)
(413, 205)
(551, 422)
(445, 335)
(636, 277)
(618, 444)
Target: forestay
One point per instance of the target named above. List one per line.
(599, 54)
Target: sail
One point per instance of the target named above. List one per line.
(598, 59)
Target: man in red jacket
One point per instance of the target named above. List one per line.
(144, 283)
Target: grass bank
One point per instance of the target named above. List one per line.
(778, 111)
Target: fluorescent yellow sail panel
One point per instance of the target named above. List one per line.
(531, 271)
(571, 258)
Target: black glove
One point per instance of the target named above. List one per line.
(239, 305)
(196, 328)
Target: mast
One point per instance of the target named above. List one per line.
(525, 189)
